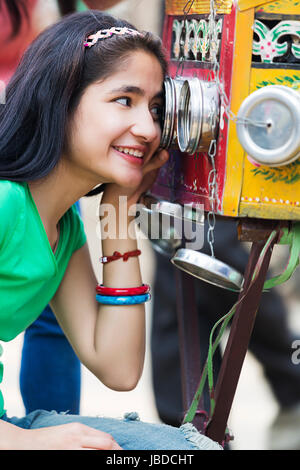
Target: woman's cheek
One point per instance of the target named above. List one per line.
(157, 141)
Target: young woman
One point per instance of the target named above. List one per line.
(82, 109)
(47, 357)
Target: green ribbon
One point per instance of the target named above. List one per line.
(292, 238)
(208, 368)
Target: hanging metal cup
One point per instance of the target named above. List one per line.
(197, 115)
(208, 269)
(165, 237)
(162, 222)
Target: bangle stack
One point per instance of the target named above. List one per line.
(123, 296)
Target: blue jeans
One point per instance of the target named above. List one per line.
(50, 374)
(130, 433)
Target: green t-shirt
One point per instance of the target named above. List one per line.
(29, 271)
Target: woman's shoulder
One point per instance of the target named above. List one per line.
(11, 193)
(12, 201)
(10, 190)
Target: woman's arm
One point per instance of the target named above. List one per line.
(109, 340)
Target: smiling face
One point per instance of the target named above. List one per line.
(116, 127)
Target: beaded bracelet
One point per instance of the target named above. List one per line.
(143, 289)
(122, 300)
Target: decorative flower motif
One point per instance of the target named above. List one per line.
(177, 29)
(188, 40)
(204, 41)
(196, 42)
(268, 46)
(197, 38)
(296, 48)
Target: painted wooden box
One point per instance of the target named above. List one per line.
(255, 49)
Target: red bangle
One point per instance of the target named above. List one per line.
(117, 255)
(143, 289)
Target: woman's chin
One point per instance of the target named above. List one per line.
(130, 181)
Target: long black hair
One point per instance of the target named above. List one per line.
(48, 83)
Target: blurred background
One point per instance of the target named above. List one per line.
(254, 407)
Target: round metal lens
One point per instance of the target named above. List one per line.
(168, 114)
(268, 125)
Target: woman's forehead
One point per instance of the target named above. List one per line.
(140, 62)
(141, 73)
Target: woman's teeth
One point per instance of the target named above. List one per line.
(128, 151)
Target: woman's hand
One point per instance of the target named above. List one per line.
(71, 436)
(150, 171)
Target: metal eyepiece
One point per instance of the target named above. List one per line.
(197, 115)
(189, 123)
(172, 88)
(169, 113)
(191, 114)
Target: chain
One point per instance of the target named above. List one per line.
(186, 9)
(226, 104)
(213, 38)
(212, 196)
(213, 48)
(213, 35)
(212, 176)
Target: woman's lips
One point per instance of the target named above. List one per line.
(138, 161)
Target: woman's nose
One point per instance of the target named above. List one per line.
(146, 127)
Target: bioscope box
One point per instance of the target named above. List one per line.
(233, 106)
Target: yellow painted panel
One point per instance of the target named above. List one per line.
(287, 7)
(272, 192)
(270, 211)
(176, 7)
(240, 90)
(246, 4)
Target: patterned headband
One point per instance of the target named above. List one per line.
(107, 33)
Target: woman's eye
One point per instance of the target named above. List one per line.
(156, 111)
(124, 100)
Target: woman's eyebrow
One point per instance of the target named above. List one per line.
(136, 90)
(129, 89)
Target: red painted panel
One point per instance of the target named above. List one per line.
(184, 178)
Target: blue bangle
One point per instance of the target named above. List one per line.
(122, 300)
